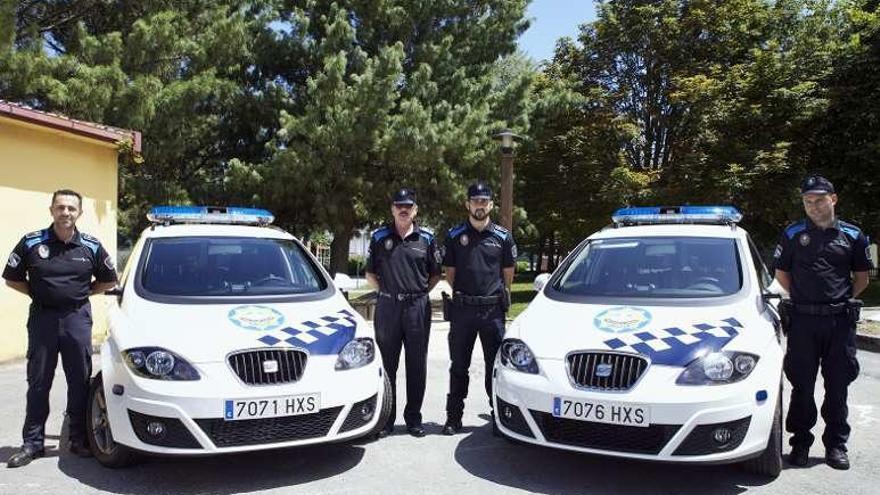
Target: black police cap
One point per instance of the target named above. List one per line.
(479, 190)
(816, 184)
(404, 197)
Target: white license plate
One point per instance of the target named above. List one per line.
(602, 412)
(271, 407)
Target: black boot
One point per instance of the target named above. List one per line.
(837, 458)
(24, 457)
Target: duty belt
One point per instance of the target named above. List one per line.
(402, 296)
(821, 309)
(60, 307)
(467, 300)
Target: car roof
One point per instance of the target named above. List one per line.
(671, 230)
(207, 230)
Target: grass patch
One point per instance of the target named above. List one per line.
(521, 293)
(871, 296)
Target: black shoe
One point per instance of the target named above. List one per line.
(799, 456)
(416, 430)
(80, 450)
(24, 457)
(837, 459)
(451, 427)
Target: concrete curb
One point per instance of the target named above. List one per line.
(867, 342)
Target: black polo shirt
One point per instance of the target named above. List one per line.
(821, 261)
(59, 274)
(403, 266)
(478, 258)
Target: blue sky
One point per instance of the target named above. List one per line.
(551, 20)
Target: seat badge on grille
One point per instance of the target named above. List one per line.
(603, 370)
(270, 366)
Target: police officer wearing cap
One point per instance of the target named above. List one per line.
(59, 268)
(479, 259)
(404, 265)
(823, 263)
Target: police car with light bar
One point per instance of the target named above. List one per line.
(227, 336)
(655, 339)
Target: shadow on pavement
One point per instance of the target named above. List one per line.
(557, 472)
(226, 474)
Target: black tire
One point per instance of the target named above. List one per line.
(385, 413)
(769, 463)
(104, 448)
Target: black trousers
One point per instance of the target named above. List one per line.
(466, 323)
(408, 324)
(50, 332)
(828, 341)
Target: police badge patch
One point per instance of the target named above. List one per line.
(43, 251)
(108, 262)
(464, 240)
(14, 260)
(389, 243)
(804, 239)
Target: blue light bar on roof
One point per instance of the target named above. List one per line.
(677, 214)
(210, 214)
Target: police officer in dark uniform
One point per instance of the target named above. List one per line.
(479, 259)
(404, 265)
(55, 267)
(823, 263)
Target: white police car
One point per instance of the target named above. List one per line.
(229, 337)
(653, 340)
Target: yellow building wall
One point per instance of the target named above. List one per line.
(35, 161)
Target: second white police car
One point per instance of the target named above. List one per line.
(655, 339)
(228, 336)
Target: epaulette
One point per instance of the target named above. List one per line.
(426, 234)
(36, 237)
(380, 233)
(795, 228)
(500, 231)
(850, 230)
(90, 242)
(457, 230)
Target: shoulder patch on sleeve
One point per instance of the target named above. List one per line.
(795, 228)
(35, 238)
(457, 230)
(380, 233)
(851, 230)
(426, 234)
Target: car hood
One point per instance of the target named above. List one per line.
(670, 335)
(208, 332)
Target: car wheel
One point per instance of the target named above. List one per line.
(769, 463)
(385, 413)
(104, 448)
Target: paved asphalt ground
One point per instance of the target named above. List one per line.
(473, 462)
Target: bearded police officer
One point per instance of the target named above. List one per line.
(479, 259)
(56, 267)
(823, 262)
(404, 265)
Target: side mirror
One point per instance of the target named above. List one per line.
(541, 281)
(769, 296)
(343, 282)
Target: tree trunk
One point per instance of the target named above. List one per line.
(342, 233)
(540, 267)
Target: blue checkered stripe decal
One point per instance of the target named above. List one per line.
(324, 335)
(678, 346)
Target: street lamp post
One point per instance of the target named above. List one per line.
(506, 137)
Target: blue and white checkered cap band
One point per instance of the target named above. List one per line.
(324, 335)
(678, 346)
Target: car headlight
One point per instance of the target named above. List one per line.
(718, 368)
(159, 364)
(357, 353)
(515, 354)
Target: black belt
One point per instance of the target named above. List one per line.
(475, 300)
(821, 309)
(403, 296)
(60, 307)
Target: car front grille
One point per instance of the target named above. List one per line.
(270, 430)
(616, 438)
(250, 366)
(606, 370)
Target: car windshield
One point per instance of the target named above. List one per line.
(656, 267)
(223, 266)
